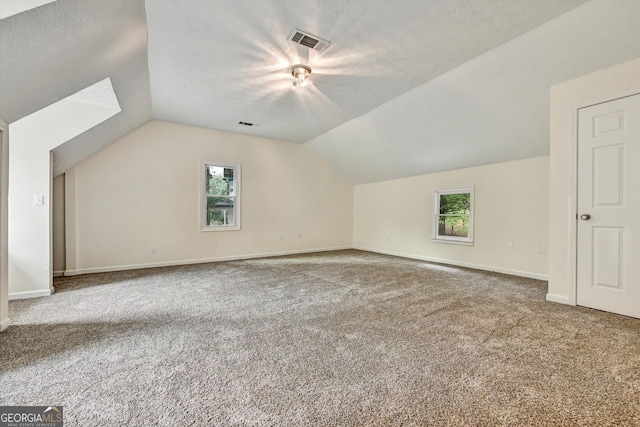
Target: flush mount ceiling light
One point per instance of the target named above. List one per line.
(301, 74)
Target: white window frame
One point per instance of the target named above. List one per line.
(237, 176)
(436, 214)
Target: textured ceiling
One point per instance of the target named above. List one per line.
(493, 108)
(407, 87)
(215, 63)
(55, 50)
(13, 7)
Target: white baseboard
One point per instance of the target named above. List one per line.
(29, 294)
(561, 299)
(108, 269)
(58, 273)
(511, 272)
(4, 324)
(196, 261)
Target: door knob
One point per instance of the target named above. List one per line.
(585, 217)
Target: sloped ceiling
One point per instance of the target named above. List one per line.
(494, 108)
(406, 87)
(55, 50)
(215, 63)
(13, 7)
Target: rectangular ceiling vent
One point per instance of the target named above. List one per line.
(248, 124)
(308, 40)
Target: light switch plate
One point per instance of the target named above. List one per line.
(38, 199)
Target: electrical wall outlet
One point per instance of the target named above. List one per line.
(153, 251)
(542, 248)
(509, 245)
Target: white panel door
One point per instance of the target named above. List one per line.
(608, 270)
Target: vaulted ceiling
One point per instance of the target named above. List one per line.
(406, 87)
(215, 63)
(55, 50)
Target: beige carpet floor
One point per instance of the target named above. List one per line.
(341, 338)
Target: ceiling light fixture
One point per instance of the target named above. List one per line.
(301, 74)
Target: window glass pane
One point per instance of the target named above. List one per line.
(220, 180)
(457, 226)
(455, 204)
(221, 211)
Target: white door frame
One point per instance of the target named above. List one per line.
(573, 200)
(4, 226)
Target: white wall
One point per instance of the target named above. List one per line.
(566, 98)
(511, 204)
(144, 191)
(30, 173)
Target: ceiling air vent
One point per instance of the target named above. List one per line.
(306, 39)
